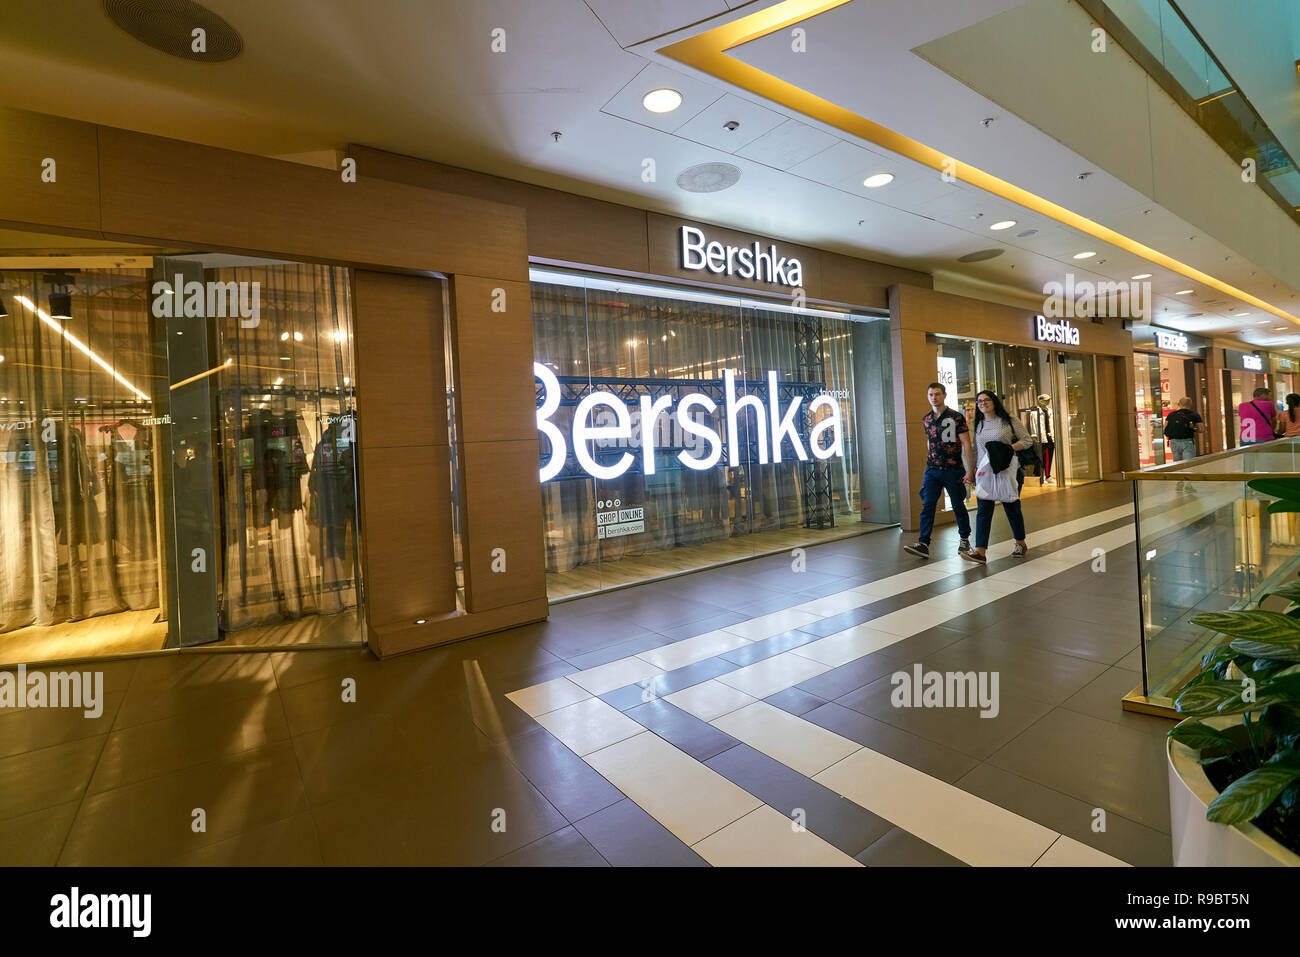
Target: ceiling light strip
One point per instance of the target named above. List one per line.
(90, 353)
(707, 53)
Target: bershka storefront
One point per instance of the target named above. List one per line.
(683, 426)
(1168, 366)
(1068, 380)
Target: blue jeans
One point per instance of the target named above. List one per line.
(933, 484)
(1183, 449)
(984, 521)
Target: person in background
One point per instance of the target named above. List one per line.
(948, 438)
(1182, 425)
(994, 424)
(1258, 418)
(1291, 417)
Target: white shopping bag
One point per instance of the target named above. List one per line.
(996, 486)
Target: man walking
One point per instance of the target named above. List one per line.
(948, 437)
(1181, 427)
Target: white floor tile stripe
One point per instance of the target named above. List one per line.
(956, 822)
(730, 826)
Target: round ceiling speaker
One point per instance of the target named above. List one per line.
(180, 28)
(980, 256)
(708, 177)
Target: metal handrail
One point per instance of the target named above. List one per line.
(1182, 471)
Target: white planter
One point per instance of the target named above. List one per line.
(1202, 843)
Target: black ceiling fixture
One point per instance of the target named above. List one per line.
(169, 26)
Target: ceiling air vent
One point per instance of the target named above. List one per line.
(168, 26)
(708, 177)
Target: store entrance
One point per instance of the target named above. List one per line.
(1054, 394)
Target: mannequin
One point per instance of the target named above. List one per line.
(1047, 438)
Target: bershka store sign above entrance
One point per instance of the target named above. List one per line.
(775, 427)
(1061, 332)
(744, 262)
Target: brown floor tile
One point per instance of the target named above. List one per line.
(290, 842)
(150, 822)
(35, 780)
(189, 738)
(35, 839)
(30, 729)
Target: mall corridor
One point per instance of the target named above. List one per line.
(684, 722)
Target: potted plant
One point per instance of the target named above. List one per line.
(1234, 763)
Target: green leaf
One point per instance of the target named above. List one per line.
(1217, 654)
(1247, 797)
(1289, 591)
(1257, 625)
(1206, 698)
(1265, 649)
(1284, 488)
(1201, 736)
(1275, 507)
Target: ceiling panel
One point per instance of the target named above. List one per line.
(787, 145)
(709, 125)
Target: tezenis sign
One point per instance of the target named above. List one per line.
(775, 427)
(746, 262)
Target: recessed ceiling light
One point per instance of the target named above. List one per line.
(1005, 224)
(876, 180)
(662, 101)
(1241, 314)
(1143, 275)
(1184, 292)
(1088, 254)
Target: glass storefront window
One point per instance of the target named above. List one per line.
(174, 470)
(1052, 393)
(704, 486)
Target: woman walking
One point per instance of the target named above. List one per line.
(1291, 417)
(993, 424)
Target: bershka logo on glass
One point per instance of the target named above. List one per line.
(747, 262)
(1062, 332)
(215, 300)
(1100, 300)
(58, 689)
(948, 689)
(824, 439)
(131, 911)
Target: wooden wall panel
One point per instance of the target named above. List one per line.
(494, 368)
(405, 476)
(406, 533)
(501, 500)
(154, 189)
(71, 202)
(400, 365)
(561, 226)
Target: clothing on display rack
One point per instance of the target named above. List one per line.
(1038, 419)
(132, 519)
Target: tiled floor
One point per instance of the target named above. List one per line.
(737, 716)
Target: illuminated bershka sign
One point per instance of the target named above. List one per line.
(603, 419)
(744, 262)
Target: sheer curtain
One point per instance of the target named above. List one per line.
(287, 426)
(78, 508)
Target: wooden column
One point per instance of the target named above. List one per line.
(404, 470)
(497, 447)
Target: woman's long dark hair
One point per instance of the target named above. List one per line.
(998, 409)
(1292, 403)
